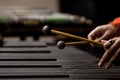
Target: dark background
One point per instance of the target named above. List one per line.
(100, 11)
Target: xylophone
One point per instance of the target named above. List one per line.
(35, 60)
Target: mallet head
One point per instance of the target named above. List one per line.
(46, 29)
(61, 44)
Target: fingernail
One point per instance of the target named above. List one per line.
(99, 64)
(107, 67)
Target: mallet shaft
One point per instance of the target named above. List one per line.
(76, 37)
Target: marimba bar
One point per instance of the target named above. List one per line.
(25, 44)
(24, 63)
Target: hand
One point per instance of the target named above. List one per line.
(112, 51)
(102, 32)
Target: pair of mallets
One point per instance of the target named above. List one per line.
(62, 44)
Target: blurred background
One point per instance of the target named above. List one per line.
(24, 18)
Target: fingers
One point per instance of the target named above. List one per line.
(99, 39)
(94, 34)
(109, 64)
(98, 34)
(103, 37)
(112, 46)
(102, 32)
